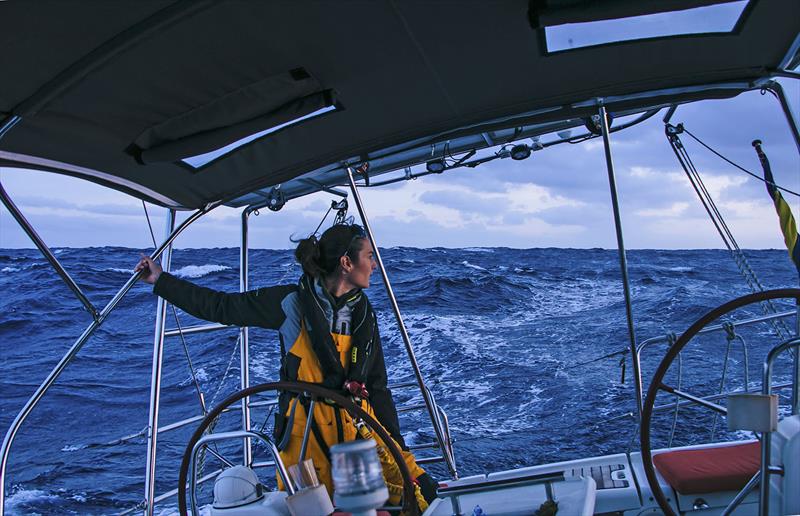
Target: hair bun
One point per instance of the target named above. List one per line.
(307, 255)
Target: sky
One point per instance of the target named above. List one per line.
(559, 197)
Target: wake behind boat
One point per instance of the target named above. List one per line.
(280, 122)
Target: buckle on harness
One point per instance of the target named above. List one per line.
(356, 389)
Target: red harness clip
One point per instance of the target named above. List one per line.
(356, 389)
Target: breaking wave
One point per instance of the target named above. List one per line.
(198, 271)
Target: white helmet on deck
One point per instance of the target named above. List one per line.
(237, 486)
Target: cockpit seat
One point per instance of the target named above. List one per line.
(708, 470)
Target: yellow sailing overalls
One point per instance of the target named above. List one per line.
(324, 414)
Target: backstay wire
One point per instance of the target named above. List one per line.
(750, 277)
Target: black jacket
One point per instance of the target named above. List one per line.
(276, 308)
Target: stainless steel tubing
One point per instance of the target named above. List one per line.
(425, 446)
(429, 403)
(265, 464)
(796, 375)
(8, 124)
(448, 436)
(37, 240)
(411, 408)
(200, 328)
(393, 386)
(695, 399)
(155, 380)
(265, 403)
(244, 343)
(279, 466)
(431, 460)
(716, 327)
(307, 430)
(666, 407)
(766, 437)
(8, 440)
(741, 495)
(787, 111)
(623, 262)
(188, 421)
(173, 492)
(791, 74)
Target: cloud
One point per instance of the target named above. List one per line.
(462, 200)
(675, 210)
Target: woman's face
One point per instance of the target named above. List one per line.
(359, 272)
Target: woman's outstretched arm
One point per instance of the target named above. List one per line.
(260, 307)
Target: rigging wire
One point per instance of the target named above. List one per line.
(698, 140)
(750, 277)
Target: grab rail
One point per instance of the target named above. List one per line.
(284, 474)
(728, 324)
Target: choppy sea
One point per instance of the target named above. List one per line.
(511, 342)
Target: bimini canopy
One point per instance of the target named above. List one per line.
(185, 103)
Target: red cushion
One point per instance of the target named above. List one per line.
(707, 470)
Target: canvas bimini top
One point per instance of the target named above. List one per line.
(190, 102)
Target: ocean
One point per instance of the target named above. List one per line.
(512, 342)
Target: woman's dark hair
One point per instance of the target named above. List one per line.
(319, 257)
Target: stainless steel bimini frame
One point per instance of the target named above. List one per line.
(442, 435)
(244, 339)
(623, 261)
(76, 347)
(155, 381)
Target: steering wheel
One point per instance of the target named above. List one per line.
(656, 384)
(318, 393)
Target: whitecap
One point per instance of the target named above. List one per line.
(681, 269)
(198, 271)
(478, 250)
(471, 266)
(9, 269)
(263, 367)
(26, 496)
(73, 447)
(123, 271)
(201, 375)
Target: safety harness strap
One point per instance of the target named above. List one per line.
(363, 337)
(319, 332)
